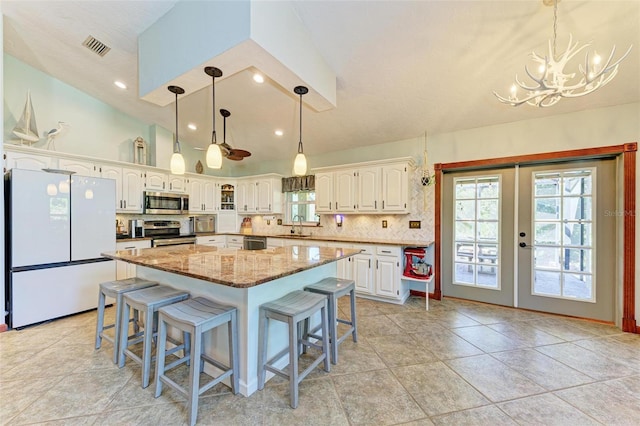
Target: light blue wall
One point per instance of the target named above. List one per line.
(96, 129)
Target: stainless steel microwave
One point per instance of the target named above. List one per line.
(165, 203)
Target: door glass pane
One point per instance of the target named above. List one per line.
(563, 230)
(477, 232)
(548, 233)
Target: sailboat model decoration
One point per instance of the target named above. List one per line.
(26, 129)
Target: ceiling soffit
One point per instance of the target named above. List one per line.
(232, 36)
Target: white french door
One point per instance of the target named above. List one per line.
(538, 237)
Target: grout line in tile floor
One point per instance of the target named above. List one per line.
(459, 363)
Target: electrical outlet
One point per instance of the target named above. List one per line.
(414, 224)
(384, 223)
(279, 221)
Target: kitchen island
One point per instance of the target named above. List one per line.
(241, 278)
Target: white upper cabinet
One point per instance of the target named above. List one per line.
(177, 184)
(324, 193)
(269, 195)
(368, 189)
(128, 187)
(196, 204)
(83, 168)
(20, 160)
(372, 187)
(345, 191)
(246, 195)
(395, 188)
(155, 181)
(202, 193)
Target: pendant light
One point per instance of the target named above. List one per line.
(214, 155)
(177, 160)
(300, 163)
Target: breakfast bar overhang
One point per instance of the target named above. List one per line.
(242, 278)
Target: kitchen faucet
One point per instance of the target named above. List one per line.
(293, 224)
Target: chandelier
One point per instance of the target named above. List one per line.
(550, 80)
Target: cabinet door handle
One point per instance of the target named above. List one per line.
(130, 247)
(369, 263)
(336, 205)
(382, 204)
(386, 251)
(269, 207)
(125, 204)
(329, 205)
(375, 204)
(377, 264)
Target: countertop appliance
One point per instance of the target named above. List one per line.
(56, 226)
(203, 224)
(254, 243)
(165, 203)
(166, 233)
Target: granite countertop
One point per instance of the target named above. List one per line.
(338, 239)
(232, 267)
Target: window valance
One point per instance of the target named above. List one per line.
(299, 183)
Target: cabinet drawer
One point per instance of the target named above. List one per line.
(235, 240)
(126, 245)
(365, 249)
(388, 251)
(210, 240)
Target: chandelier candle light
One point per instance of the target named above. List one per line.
(553, 83)
(214, 155)
(300, 163)
(177, 160)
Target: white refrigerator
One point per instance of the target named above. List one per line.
(57, 224)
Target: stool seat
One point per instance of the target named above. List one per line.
(293, 308)
(115, 290)
(195, 317)
(334, 288)
(147, 300)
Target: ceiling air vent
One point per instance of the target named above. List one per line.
(96, 46)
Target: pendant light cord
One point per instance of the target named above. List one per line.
(177, 140)
(213, 110)
(555, 26)
(300, 140)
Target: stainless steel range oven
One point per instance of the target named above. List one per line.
(166, 233)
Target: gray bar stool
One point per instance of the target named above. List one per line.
(292, 308)
(148, 301)
(196, 316)
(335, 288)
(115, 290)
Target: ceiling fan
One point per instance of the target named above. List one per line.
(227, 151)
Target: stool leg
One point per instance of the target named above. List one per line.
(325, 340)
(333, 328)
(116, 328)
(160, 354)
(100, 321)
(293, 362)
(262, 348)
(353, 315)
(234, 356)
(146, 346)
(124, 332)
(194, 375)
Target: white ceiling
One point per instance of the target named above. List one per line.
(403, 67)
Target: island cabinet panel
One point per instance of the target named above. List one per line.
(126, 270)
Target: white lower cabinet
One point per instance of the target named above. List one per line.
(219, 241)
(235, 242)
(376, 272)
(126, 270)
(275, 242)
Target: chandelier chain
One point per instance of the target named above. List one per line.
(555, 26)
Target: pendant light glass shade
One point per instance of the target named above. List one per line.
(214, 154)
(177, 165)
(300, 162)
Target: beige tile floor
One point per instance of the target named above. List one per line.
(459, 363)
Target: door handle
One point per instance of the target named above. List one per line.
(524, 245)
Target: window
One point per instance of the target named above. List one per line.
(477, 232)
(301, 205)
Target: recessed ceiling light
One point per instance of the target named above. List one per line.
(279, 132)
(258, 78)
(192, 126)
(120, 84)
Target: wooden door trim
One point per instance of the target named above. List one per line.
(628, 153)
